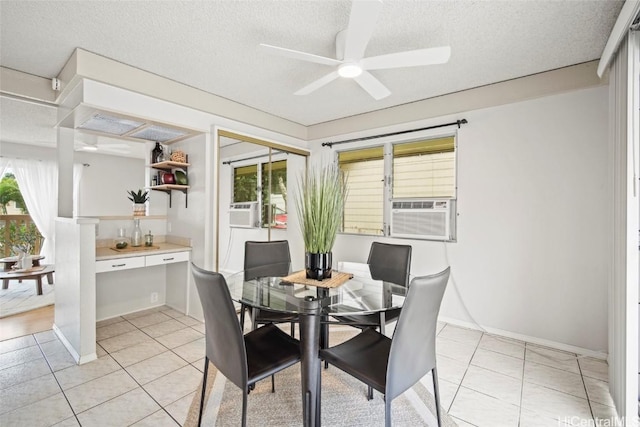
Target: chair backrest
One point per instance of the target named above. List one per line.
(262, 259)
(390, 263)
(359, 269)
(225, 346)
(413, 346)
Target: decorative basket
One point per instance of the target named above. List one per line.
(178, 156)
(139, 209)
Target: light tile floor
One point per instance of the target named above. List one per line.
(149, 367)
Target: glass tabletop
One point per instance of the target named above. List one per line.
(358, 295)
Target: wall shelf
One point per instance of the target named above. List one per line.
(169, 166)
(165, 187)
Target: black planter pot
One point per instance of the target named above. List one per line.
(318, 266)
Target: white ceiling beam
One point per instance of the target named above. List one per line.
(23, 85)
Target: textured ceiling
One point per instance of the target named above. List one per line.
(213, 45)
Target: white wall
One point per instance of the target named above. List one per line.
(103, 192)
(12, 150)
(531, 257)
(187, 219)
(105, 182)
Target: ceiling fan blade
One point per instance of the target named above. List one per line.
(372, 85)
(318, 83)
(362, 19)
(411, 58)
(113, 150)
(295, 54)
(109, 145)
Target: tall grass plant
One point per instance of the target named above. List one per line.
(319, 204)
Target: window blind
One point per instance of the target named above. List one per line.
(424, 169)
(364, 171)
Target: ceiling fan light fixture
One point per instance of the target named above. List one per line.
(349, 70)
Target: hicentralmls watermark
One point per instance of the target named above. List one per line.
(597, 422)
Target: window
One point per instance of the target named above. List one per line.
(424, 169)
(378, 178)
(271, 193)
(274, 194)
(364, 170)
(245, 183)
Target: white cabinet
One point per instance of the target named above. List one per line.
(146, 280)
(107, 265)
(166, 258)
(119, 264)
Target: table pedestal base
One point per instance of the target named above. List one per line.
(310, 363)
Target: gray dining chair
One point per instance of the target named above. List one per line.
(393, 365)
(265, 259)
(389, 263)
(242, 359)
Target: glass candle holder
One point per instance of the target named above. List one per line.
(148, 239)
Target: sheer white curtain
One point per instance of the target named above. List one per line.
(38, 183)
(4, 165)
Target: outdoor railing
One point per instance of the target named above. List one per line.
(18, 231)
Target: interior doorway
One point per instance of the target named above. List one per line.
(20, 252)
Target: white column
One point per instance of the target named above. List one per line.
(65, 172)
(75, 307)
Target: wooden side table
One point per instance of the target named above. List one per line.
(34, 273)
(9, 262)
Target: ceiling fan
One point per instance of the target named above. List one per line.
(105, 147)
(350, 48)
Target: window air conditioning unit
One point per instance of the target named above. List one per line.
(429, 219)
(244, 215)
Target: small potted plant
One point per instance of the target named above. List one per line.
(319, 204)
(139, 200)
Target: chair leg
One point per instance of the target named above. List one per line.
(242, 310)
(293, 330)
(244, 409)
(273, 384)
(254, 316)
(204, 388)
(369, 392)
(436, 394)
(387, 412)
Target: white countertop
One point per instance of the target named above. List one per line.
(165, 248)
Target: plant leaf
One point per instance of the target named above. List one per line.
(319, 203)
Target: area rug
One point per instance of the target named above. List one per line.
(21, 297)
(344, 402)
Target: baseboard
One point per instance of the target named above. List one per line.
(533, 340)
(135, 311)
(79, 360)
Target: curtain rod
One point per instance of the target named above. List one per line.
(457, 122)
(228, 162)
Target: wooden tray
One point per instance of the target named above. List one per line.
(135, 248)
(28, 270)
(336, 279)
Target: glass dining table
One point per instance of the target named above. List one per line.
(315, 305)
